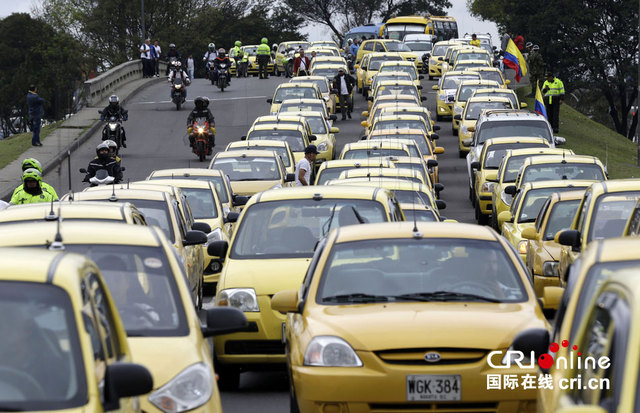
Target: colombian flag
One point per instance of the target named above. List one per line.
(514, 59)
(539, 105)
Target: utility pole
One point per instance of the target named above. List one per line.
(144, 31)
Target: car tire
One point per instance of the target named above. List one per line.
(276, 72)
(430, 77)
(494, 221)
(229, 376)
(461, 153)
(480, 217)
(438, 118)
(293, 400)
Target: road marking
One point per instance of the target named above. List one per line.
(191, 100)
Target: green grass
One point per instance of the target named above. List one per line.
(587, 137)
(15, 145)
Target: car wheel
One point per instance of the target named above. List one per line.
(438, 118)
(494, 221)
(461, 153)
(480, 217)
(430, 77)
(293, 400)
(229, 376)
(276, 72)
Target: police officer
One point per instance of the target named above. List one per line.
(235, 52)
(31, 163)
(243, 67)
(263, 56)
(553, 91)
(536, 69)
(31, 191)
(104, 161)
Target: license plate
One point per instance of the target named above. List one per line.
(434, 387)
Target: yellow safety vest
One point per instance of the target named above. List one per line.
(263, 49)
(555, 88)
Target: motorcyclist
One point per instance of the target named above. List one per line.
(34, 164)
(201, 111)
(114, 109)
(177, 71)
(210, 56)
(104, 161)
(172, 56)
(221, 59)
(113, 146)
(31, 191)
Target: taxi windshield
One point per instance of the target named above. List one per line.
(429, 269)
(419, 46)
(418, 167)
(472, 56)
(468, 65)
(560, 217)
(611, 213)
(373, 152)
(327, 174)
(513, 167)
(321, 83)
(474, 109)
(493, 75)
(317, 124)
(398, 46)
(40, 352)
(292, 137)
(496, 152)
(507, 128)
(410, 70)
(302, 107)
(467, 90)
(282, 152)
(155, 213)
(202, 202)
(291, 228)
(405, 196)
(328, 72)
(511, 96)
(452, 82)
(143, 287)
(533, 201)
(375, 62)
(420, 215)
(299, 92)
(239, 168)
(554, 171)
(397, 90)
(419, 140)
(218, 183)
(440, 50)
(399, 124)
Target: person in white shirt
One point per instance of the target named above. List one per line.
(157, 62)
(303, 177)
(145, 55)
(190, 66)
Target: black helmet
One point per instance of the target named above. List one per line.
(113, 100)
(199, 102)
(205, 101)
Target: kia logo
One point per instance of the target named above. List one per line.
(432, 357)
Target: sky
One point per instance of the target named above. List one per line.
(466, 23)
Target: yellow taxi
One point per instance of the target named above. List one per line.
(270, 251)
(492, 73)
(470, 64)
(163, 209)
(526, 207)
(325, 134)
(205, 207)
(370, 279)
(446, 90)
(328, 93)
(331, 60)
(389, 101)
(286, 91)
(491, 156)
(124, 212)
(598, 320)
(394, 122)
(420, 213)
(550, 167)
(387, 46)
(328, 70)
(404, 174)
(322, 51)
(296, 136)
(402, 66)
(331, 169)
(368, 149)
(148, 286)
(500, 92)
(388, 77)
(395, 88)
(507, 174)
(281, 119)
(252, 171)
(285, 48)
(324, 43)
(425, 168)
(450, 55)
(368, 68)
(230, 202)
(281, 148)
(543, 253)
(421, 111)
(473, 54)
(603, 213)
(463, 93)
(437, 57)
(307, 105)
(64, 347)
(469, 118)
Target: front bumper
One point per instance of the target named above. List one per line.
(486, 206)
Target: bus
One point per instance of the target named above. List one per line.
(397, 27)
(444, 27)
(370, 31)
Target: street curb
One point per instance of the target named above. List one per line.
(53, 163)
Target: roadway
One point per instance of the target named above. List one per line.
(156, 139)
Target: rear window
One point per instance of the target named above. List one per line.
(506, 128)
(292, 137)
(557, 171)
(496, 152)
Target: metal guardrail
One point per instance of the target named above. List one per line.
(96, 89)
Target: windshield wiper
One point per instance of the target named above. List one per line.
(356, 297)
(443, 296)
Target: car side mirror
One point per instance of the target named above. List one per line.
(419, 87)
(333, 117)
(365, 114)
(423, 98)
(224, 320)
(312, 138)
(458, 117)
(286, 301)
(434, 87)
(290, 178)
(243, 138)
(570, 238)
(475, 165)
(201, 226)
(125, 380)
(523, 105)
(432, 163)
(440, 204)
(551, 297)
(334, 129)
(434, 136)
(370, 98)
(438, 188)
(530, 233)
(239, 200)
(363, 138)
(364, 124)
(438, 150)
(559, 140)
(420, 77)
(194, 237)
(510, 190)
(218, 248)
(533, 339)
(82, 170)
(231, 217)
(436, 127)
(504, 216)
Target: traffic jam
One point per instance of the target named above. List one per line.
(334, 261)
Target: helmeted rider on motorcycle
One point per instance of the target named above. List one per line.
(120, 113)
(178, 72)
(210, 56)
(31, 190)
(201, 111)
(172, 56)
(112, 150)
(104, 161)
(31, 163)
(221, 59)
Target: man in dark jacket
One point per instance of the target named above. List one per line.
(36, 111)
(343, 83)
(104, 161)
(201, 111)
(120, 113)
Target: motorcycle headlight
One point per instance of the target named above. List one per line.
(506, 198)
(487, 187)
(200, 129)
(550, 269)
(457, 109)
(244, 299)
(522, 246)
(178, 86)
(191, 388)
(215, 235)
(324, 146)
(113, 126)
(329, 351)
(442, 96)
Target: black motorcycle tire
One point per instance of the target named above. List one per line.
(202, 153)
(221, 82)
(178, 104)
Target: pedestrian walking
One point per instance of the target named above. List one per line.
(157, 62)
(303, 168)
(190, 66)
(35, 104)
(535, 64)
(145, 56)
(344, 82)
(553, 91)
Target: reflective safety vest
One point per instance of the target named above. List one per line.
(555, 88)
(235, 51)
(263, 49)
(23, 197)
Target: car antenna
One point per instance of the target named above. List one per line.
(70, 196)
(57, 244)
(69, 168)
(113, 197)
(52, 215)
(329, 221)
(128, 180)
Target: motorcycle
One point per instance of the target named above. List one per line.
(102, 177)
(287, 62)
(210, 72)
(200, 138)
(113, 131)
(350, 59)
(223, 76)
(178, 92)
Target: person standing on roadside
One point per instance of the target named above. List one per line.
(145, 56)
(303, 177)
(535, 64)
(263, 55)
(154, 58)
(344, 82)
(157, 62)
(553, 91)
(35, 104)
(519, 41)
(190, 66)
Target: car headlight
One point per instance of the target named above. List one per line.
(244, 299)
(506, 198)
(522, 246)
(457, 109)
(113, 126)
(550, 269)
(442, 96)
(191, 388)
(215, 235)
(487, 187)
(329, 351)
(324, 146)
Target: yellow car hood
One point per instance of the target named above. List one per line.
(251, 188)
(373, 327)
(266, 276)
(553, 249)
